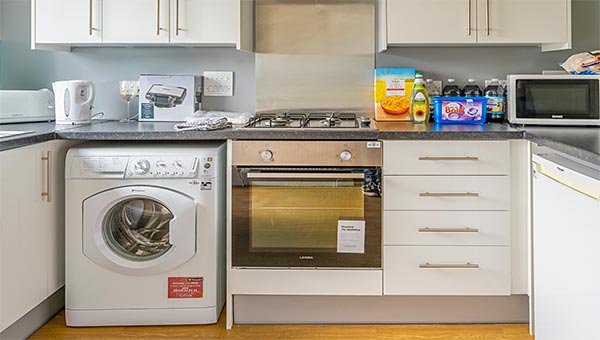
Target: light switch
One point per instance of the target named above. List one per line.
(218, 84)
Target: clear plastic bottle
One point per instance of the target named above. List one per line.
(472, 89)
(433, 92)
(496, 105)
(419, 101)
(451, 89)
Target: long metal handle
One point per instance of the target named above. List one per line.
(177, 17)
(158, 18)
(448, 230)
(449, 194)
(469, 17)
(91, 18)
(449, 266)
(48, 192)
(308, 175)
(487, 17)
(465, 158)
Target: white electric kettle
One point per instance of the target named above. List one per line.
(73, 101)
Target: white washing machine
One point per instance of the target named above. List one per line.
(145, 234)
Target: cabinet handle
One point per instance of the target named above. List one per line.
(487, 17)
(158, 18)
(466, 158)
(467, 265)
(449, 194)
(177, 17)
(469, 17)
(91, 18)
(448, 230)
(48, 192)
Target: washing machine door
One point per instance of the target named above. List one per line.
(139, 230)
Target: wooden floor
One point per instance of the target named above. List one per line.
(55, 329)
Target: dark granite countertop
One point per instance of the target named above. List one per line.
(579, 142)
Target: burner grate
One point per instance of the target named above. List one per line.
(317, 120)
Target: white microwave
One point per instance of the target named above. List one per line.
(554, 99)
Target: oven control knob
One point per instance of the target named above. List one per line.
(141, 167)
(266, 155)
(346, 155)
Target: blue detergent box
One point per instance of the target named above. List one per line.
(459, 110)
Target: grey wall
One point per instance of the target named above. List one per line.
(22, 68)
(496, 62)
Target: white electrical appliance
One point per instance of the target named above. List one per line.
(74, 100)
(26, 106)
(145, 234)
(566, 230)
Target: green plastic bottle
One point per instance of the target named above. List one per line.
(419, 101)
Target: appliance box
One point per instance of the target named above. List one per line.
(169, 98)
(554, 99)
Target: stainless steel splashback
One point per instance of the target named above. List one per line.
(317, 54)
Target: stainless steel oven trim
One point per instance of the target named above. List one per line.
(512, 101)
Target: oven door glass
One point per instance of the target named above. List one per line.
(558, 99)
(292, 218)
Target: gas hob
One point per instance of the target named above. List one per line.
(308, 120)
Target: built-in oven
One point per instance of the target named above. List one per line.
(306, 204)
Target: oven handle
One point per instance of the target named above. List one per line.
(305, 175)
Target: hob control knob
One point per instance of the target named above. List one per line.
(346, 155)
(141, 167)
(266, 155)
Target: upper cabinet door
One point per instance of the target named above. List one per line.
(523, 21)
(431, 21)
(136, 21)
(212, 22)
(68, 21)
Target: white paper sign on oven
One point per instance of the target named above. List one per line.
(351, 236)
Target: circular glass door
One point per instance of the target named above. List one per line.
(137, 229)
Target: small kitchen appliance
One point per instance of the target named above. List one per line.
(74, 99)
(26, 106)
(554, 99)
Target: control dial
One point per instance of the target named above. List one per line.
(346, 155)
(266, 155)
(161, 164)
(178, 164)
(141, 167)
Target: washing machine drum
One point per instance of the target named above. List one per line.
(138, 229)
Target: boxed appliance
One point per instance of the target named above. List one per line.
(169, 98)
(393, 88)
(460, 110)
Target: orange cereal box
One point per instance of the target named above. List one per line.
(393, 87)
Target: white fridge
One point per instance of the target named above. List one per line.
(566, 249)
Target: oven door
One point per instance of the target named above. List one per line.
(306, 218)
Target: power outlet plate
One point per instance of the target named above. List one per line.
(218, 84)
(502, 82)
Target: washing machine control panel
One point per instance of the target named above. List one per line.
(170, 167)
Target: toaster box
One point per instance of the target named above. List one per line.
(393, 88)
(169, 98)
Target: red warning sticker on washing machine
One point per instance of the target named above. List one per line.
(186, 287)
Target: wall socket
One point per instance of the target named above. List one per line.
(502, 82)
(218, 84)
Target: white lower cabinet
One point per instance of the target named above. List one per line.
(31, 227)
(448, 270)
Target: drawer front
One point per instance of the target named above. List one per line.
(446, 158)
(446, 193)
(430, 270)
(446, 228)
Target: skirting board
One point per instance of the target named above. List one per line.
(36, 318)
(261, 309)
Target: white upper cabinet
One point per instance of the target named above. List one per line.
(468, 22)
(212, 22)
(523, 21)
(427, 21)
(67, 21)
(135, 21)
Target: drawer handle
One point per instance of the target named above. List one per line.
(449, 194)
(467, 265)
(448, 230)
(466, 158)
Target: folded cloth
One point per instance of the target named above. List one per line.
(236, 118)
(203, 124)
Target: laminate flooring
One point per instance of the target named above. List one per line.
(55, 329)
